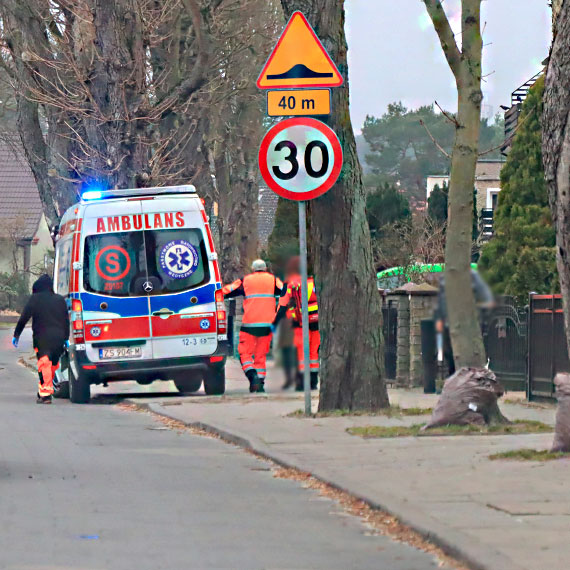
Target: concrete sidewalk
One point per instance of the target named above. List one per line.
(497, 515)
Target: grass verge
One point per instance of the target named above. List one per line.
(529, 455)
(392, 411)
(516, 427)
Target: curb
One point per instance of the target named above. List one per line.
(23, 362)
(470, 552)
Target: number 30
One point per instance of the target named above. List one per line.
(292, 158)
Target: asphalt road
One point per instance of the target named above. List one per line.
(95, 488)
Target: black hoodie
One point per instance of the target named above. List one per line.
(48, 311)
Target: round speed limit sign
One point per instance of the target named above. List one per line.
(300, 158)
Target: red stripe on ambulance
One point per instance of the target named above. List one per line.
(118, 329)
(175, 326)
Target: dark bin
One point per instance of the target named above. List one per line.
(429, 355)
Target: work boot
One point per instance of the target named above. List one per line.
(314, 380)
(299, 385)
(253, 380)
(288, 382)
(261, 386)
(43, 399)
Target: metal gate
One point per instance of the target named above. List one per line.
(547, 349)
(390, 329)
(505, 336)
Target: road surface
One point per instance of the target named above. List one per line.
(99, 488)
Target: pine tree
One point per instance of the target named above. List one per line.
(384, 206)
(521, 257)
(437, 203)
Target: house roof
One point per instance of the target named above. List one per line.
(266, 215)
(20, 203)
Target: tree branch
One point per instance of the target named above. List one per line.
(449, 117)
(472, 42)
(197, 76)
(445, 33)
(437, 145)
(520, 123)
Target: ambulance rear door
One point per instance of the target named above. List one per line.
(182, 301)
(115, 288)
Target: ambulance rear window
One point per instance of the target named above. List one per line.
(151, 262)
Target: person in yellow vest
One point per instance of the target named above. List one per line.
(292, 298)
(259, 290)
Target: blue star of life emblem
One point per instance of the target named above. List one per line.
(179, 259)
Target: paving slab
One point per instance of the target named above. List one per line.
(485, 512)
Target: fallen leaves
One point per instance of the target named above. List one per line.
(381, 522)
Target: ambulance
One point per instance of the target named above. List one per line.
(141, 277)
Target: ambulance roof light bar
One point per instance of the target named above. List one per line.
(92, 195)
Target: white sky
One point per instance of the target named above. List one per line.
(394, 53)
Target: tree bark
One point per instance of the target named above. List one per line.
(465, 332)
(556, 148)
(351, 353)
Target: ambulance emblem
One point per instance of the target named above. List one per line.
(204, 324)
(179, 259)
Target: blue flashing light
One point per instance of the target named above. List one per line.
(92, 195)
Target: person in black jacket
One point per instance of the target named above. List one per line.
(50, 328)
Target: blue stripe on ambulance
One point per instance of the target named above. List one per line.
(178, 301)
(123, 306)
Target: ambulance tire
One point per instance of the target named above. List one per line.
(187, 382)
(79, 388)
(215, 381)
(61, 389)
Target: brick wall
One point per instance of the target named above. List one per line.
(414, 303)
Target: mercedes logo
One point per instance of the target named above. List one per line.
(148, 286)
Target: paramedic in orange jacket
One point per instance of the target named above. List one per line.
(259, 290)
(292, 297)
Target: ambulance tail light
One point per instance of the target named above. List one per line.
(221, 313)
(77, 322)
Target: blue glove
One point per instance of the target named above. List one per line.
(15, 342)
(66, 344)
(273, 329)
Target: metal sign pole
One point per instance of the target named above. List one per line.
(305, 304)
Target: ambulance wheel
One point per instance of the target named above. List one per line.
(79, 388)
(61, 390)
(215, 381)
(187, 382)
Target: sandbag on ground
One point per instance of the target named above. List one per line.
(469, 397)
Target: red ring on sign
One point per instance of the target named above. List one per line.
(337, 156)
(110, 277)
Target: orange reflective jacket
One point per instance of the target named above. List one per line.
(294, 292)
(259, 290)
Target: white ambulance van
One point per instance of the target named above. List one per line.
(140, 274)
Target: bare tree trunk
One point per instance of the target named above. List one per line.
(465, 332)
(351, 353)
(556, 148)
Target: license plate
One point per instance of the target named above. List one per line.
(120, 352)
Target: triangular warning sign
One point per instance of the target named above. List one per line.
(299, 60)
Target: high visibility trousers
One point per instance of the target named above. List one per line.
(253, 352)
(314, 344)
(46, 371)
